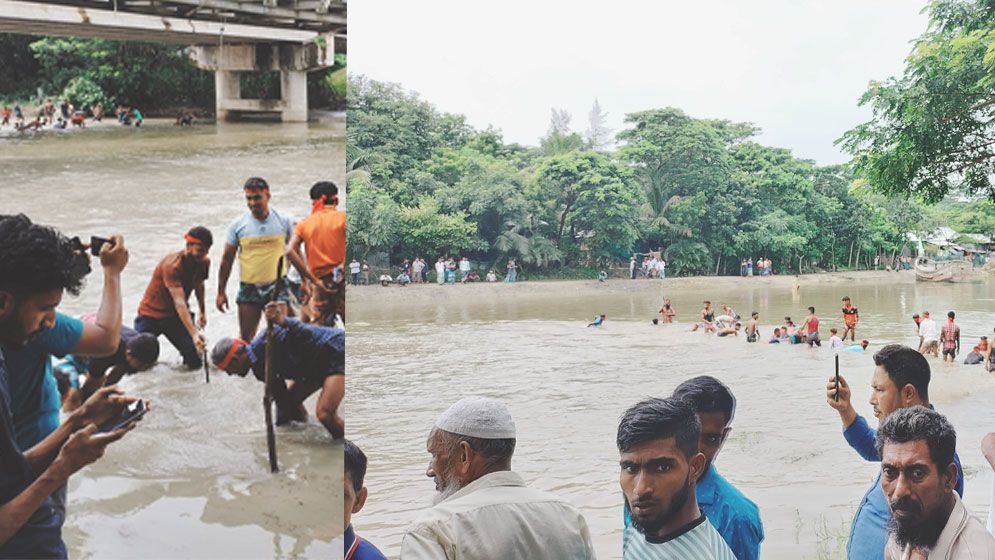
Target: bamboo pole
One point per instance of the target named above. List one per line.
(268, 377)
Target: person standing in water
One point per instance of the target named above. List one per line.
(850, 318)
(811, 327)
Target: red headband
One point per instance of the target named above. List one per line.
(192, 239)
(223, 364)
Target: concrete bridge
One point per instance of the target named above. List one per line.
(229, 37)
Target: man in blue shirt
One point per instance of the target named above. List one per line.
(900, 380)
(732, 514)
(36, 265)
(306, 358)
(354, 499)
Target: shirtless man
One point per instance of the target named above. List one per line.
(850, 318)
(752, 328)
(667, 311)
(730, 330)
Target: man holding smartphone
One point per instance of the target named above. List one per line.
(37, 454)
(900, 380)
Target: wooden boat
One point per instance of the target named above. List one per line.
(944, 271)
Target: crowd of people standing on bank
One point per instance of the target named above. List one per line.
(38, 264)
(675, 503)
(445, 270)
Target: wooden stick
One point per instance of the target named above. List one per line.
(207, 370)
(268, 394)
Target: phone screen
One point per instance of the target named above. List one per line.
(96, 243)
(133, 412)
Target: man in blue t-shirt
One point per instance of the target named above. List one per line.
(307, 358)
(354, 471)
(900, 380)
(37, 264)
(734, 516)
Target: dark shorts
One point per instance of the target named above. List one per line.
(952, 352)
(262, 294)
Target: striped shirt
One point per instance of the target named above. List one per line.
(697, 540)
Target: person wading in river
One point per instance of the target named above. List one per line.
(323, 236)
(900, 380)
(483, 509)
(850, 318)
(37, 264)
(259, 237)
(732, 514)
(658, 442)
(307, 358)
(165, 310)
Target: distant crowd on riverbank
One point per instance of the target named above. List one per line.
(66, 115)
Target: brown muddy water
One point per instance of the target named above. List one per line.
(411, 356)
(192, 481)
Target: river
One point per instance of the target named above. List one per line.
(414, 351)
(192, 481)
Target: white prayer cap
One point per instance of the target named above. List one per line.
(478, 417)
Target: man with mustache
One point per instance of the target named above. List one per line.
(483, 509)
(900, 380)
(918, 474)
(660, 464)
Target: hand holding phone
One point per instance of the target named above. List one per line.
(133, 412)
(836, 396)
(96, 243)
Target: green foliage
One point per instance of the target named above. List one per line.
(373, 221)
(83, 93)
(428, 231)
(701, 190)
(934, 127)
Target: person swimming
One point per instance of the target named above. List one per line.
(598, 321)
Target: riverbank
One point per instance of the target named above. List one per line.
(579, 288)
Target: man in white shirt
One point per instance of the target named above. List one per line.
(417, 267)
(354, 270)
(483, 509)
(930, 335)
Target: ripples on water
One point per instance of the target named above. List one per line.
(192, 481)
(567, 385)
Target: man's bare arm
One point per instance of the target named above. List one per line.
(224, 272)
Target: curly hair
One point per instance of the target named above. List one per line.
(36, 258)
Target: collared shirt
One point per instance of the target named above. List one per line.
(928, 330)
(732, 514)
(175, 270)
(497, 516)
(41, 536)
(697, 540)
(359, 549)
(34, 393)
(868, 535)
(962, 538)
(301, 351)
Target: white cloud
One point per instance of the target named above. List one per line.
(795, 68)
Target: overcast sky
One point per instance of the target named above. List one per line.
(794, 68)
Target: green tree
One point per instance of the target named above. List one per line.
(426, 230)
(373, 222)
(934, 127)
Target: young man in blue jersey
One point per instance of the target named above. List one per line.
(900, 380)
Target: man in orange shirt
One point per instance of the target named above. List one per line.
(164, 308)
(323, 235)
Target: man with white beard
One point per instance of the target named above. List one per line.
(484, 510)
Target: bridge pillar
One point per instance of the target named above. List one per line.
(293, 61)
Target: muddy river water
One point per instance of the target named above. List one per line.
(412, 355)
(192, 481)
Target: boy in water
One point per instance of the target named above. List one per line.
(850, 318)
(752, 328)
(835, 342)
(707, 318)
(811, 327)
(598, 321)
(667, 311)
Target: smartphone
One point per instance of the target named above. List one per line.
(96, 243)
(836, 396)
(133, 412)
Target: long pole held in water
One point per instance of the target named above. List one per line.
(268, 394)
(207, 370)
